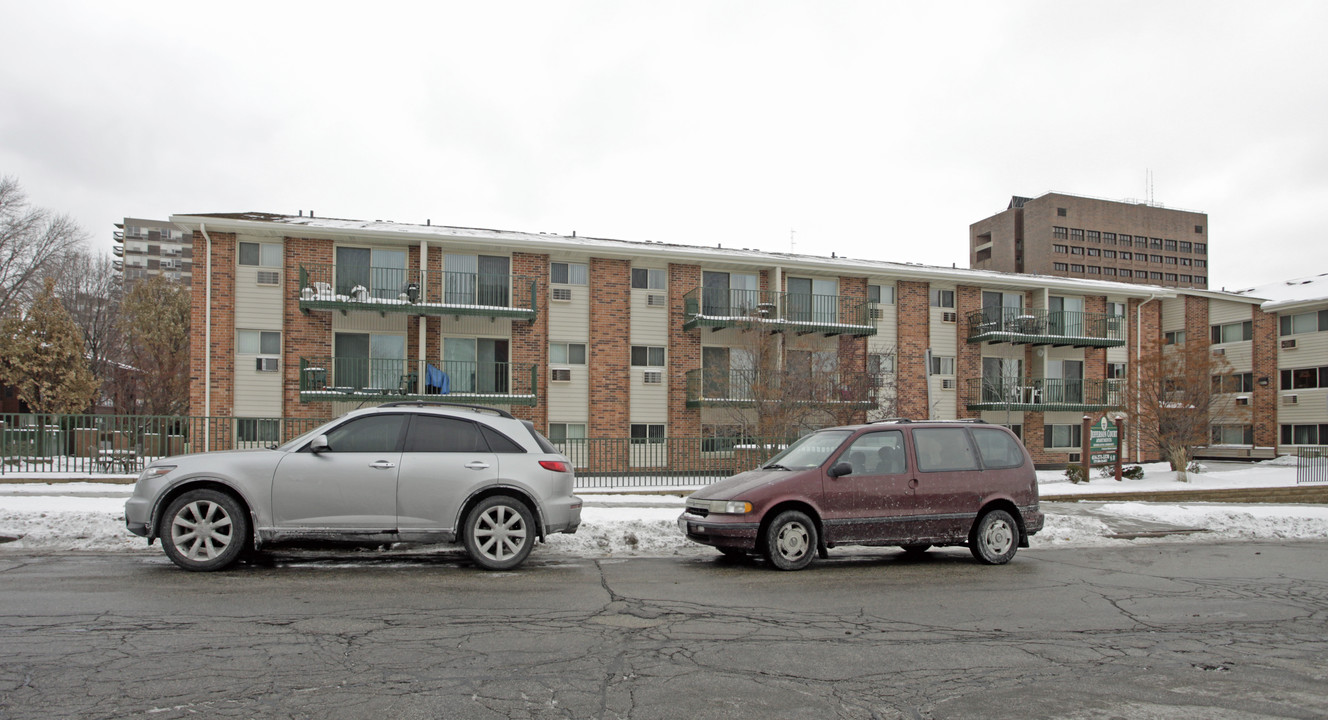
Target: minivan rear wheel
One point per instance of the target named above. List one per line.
(995, 538)
(790, 540)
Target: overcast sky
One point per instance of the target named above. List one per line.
(871, 129)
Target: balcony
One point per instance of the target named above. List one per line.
(117, 250)
(1019, 326)
(402, 290)
(718, 308)
(751, 388)
(117, 236)
(1042, 394)
(329, 379)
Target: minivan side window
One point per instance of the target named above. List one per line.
(943, 450)
(877, 453)
(998, 450)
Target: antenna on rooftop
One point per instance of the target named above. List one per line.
(792, 244)
(1148, 186)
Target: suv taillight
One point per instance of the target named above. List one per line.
(555, 465)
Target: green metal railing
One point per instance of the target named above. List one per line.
(778, 311)
(353, 378)
(325, 286)
(1311, 464)
(689, 461)
(123, 444)
(1044, 327)
(745, 388)
(1041, 394)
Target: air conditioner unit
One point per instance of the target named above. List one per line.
(1075, 457)
(656, 300)
(560, 375)
(268, 364)
(877, 313)
(653, 377)
(1290, 399)
(1289, 344)
(949, 317)
(1219, 351)
(269, 277)
(1242, 400)
(561, 293)
(947, 383)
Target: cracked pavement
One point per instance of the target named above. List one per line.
(1232, 630)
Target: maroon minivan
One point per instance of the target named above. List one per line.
(915, 484)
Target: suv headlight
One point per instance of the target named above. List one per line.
(731, 507)
(155, 471)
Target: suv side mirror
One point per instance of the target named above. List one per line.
(319, 444)
(840, 469)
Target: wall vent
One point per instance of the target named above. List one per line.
(561, 293)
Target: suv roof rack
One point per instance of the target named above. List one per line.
(431, 403)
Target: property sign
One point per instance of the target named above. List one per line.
(1103, 458)
(1102, 442)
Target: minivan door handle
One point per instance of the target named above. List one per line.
(912, 483)
(477, 465)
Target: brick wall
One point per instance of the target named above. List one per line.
(1149, 330)
(1264, 402)
(914, 337)
(303, 334)
(1095, 359)
(609, 353)
(530, 341)
(222, 350)
(684, 349)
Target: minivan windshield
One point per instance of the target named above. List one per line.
(809, 451)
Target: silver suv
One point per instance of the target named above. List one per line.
(401, 472)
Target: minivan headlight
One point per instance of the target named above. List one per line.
(731, 507)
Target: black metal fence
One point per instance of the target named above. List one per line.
(1311, 465)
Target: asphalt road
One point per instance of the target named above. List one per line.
(1161, 630)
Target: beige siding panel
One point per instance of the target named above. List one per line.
(569, 399)
(257, 307)
(367, 322)
(650, 323)
(943, 334)
(1120, 353)
(1173, 314)
(649, 403)
(1226, 311)
(257, 394)
(569, 320)
(1311, 407)
(943, 402)
(1239, 355)
(1311, 351)
(473, 326)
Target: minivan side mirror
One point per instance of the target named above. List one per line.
(840, 469)
(319, 444)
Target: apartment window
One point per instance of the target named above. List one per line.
(1304, 434)
(1076, 251)
(1200, 263)
(647, 279)
(1175, 337)
(1171, 277)
(1077, 234)
(1233, 332)
(1186, 262)
(1126, 273)
(1094, 252)
(1094, 270)
(1154, 276)
(1061, 436)
(1198, 229)
(1109, 238)
(1233, 383)
(1062, 249)
(257, 430)
(881, 294)
(258, 342)
(1116, 308)
(1126, 255)
(560, 433)
(1076, 268)
(1169, 245)
(1155, 243)
(1094, 236)
(1303, 322)
(1200, 279)
(561, 273)
(1125, 239)
(1186, 278)
(647, 356)
(1304, 378)
(260, 254)
(1201, 248)
(567, 353)
(1168, 260)
(942, 298)
(642, 434)
(1110, 254)
(1141, 242)
(1060, 212)
(880, 363)
(1060, 232)
(1116, 371)
(1155, 259)
(1060, 267)
(1109, 271)
(942, 365)
(1185, 246)
(1233, 434)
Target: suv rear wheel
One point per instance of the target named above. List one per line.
(499, 533)
(790, 540)
(995, 538)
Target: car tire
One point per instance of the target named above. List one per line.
(790, 540)
(915, 550)
(995, 538)
(204, 530)
(499, 533)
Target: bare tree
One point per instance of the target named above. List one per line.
(33, 241)
(155, 321)
(1178, 392)
(89, 287)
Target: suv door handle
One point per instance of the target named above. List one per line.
(382, 465)
(477, 465)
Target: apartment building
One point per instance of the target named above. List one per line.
(144, 248)
(594, 338)
(1082, 237)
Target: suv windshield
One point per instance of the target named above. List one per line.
(809, 451)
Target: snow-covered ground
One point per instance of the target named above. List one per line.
(88, 516)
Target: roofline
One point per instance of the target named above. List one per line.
(288, 226)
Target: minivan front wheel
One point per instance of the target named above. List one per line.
(499, 533)
(790, 540)
(995, 538)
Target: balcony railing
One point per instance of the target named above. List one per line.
(1044, 327)
(1042, 394)
(751, 388)
(384, 290)
(324, 379)
(719, 308)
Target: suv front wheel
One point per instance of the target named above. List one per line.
(995, 538)
(499, 533)
(204, 530)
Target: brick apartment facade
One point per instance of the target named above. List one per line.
(591, 338)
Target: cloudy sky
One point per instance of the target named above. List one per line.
(871, 129)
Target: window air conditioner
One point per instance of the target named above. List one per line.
(1075, 457)
(1289, 344)
(1243, 400)
(1290, 399)
(949, 317)
(560, 375)
(654, 377)
(1219, 351)
(561, 293)
(268, 364)
(656, 300)
(947, 383)
(269, 277)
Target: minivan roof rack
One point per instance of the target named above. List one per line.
(905, 421)
(430, 403)
(891, 420)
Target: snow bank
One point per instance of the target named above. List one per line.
(1160, 477)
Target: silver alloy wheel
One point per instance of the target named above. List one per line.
(793, 541)
(500, 533)
(998, 536)
(201, 530)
